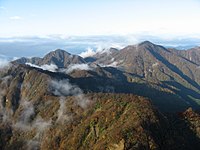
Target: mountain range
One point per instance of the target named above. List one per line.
(143, 96)
(142, 68)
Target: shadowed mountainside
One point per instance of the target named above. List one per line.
(144, 69)
(47, 115)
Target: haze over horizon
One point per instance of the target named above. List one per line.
(33, 28)
(119, 17)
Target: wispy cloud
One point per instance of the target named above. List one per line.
(89, 52)
(50, 67)
(3, 8)
(3, 63)
(73, 67)
(63, 88)
(16, 18)
(100, 49)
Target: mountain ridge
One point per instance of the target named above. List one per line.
(45, 108)
(59, 57)
(150, 100)
(144, 64)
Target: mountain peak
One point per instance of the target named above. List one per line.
(60, 51)
(146, 43)
(61, 58)
(113, 49)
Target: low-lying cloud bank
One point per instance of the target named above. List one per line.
(51, 67)
(73, 67)
(69, 69)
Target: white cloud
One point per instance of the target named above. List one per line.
(103, 49)
(64, 88)
(77, 67)
(112, 64)
(25, 122)
(41, 125)
(25, 117)
(16, 18)
(3, 63)
(28, 111)
(50, 67)
(132, 39)
(62, 116)
(119, 45)
(88, 53)
(15, 58)
(33, 65)
(3, 8)
(54, 68)
(33, 144)
(100, 49)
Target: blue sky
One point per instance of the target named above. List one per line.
(99, 17)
